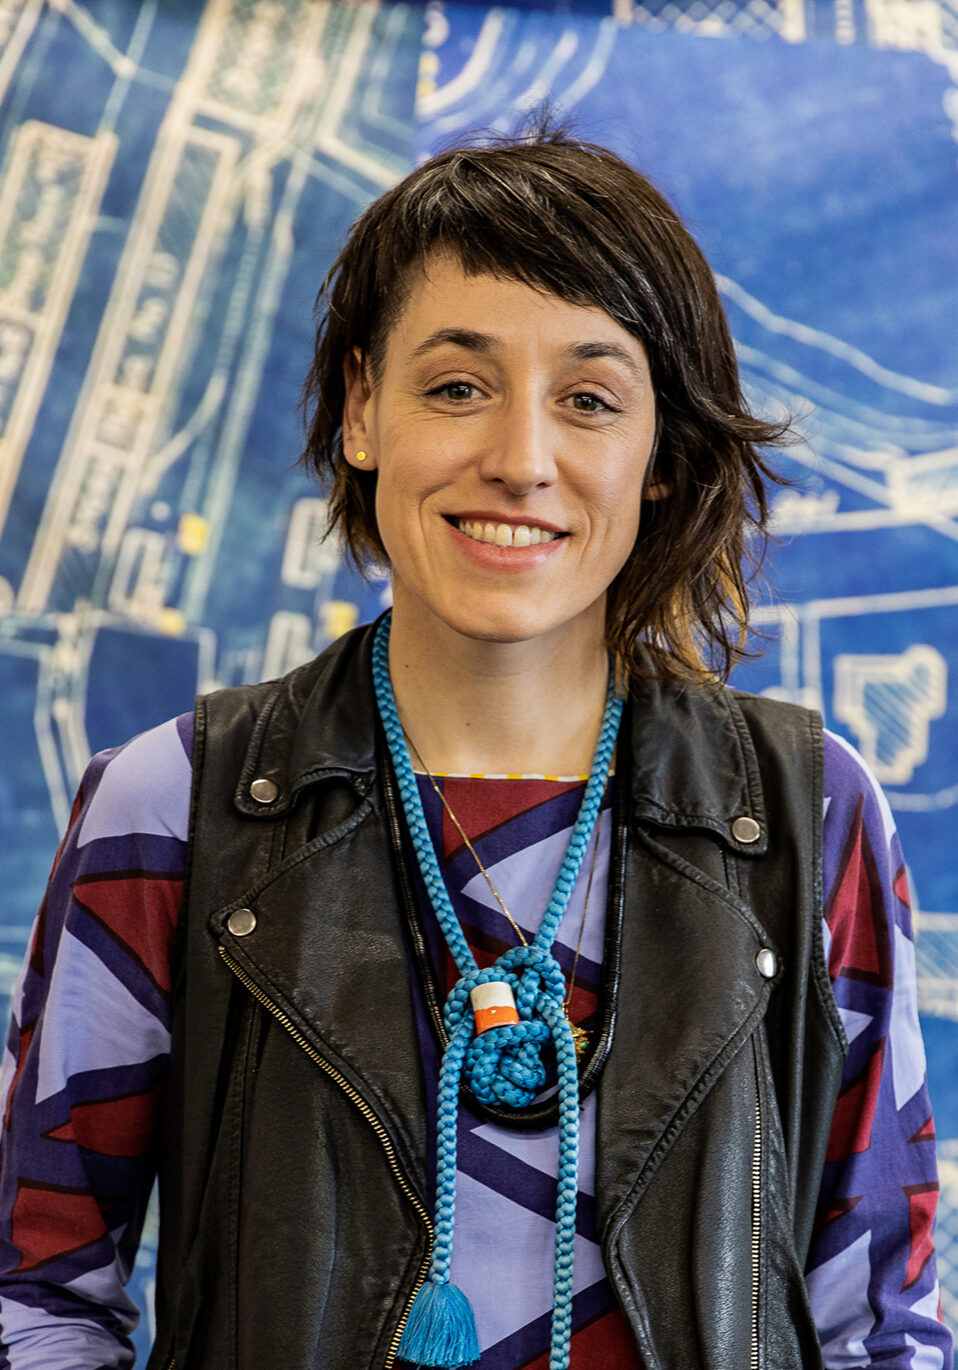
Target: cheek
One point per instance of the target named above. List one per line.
(386, 512)
(619, 504)
(400, 490)
(621, 542)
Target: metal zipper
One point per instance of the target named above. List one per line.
(382, 1137)
(756, 1221)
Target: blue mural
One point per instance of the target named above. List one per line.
(174, 182)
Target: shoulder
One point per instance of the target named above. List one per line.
(142, 786)
(787, 743)
(776, 718)
(334, 672)
(853, 797)
(848, 781)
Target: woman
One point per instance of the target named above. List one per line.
(519, 1003)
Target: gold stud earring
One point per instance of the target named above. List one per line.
(360, 456)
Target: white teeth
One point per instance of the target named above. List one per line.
(503, 534)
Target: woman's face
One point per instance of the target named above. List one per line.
(511, 432)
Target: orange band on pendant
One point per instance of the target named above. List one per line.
(493, 1005)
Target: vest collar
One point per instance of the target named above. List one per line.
(694, 763)
(693, 760)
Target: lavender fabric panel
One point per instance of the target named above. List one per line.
(871, 1269)
(86, 1060)
(145, 789)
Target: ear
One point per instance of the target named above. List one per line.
(355, 431)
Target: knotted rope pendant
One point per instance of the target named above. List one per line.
(502, 1065)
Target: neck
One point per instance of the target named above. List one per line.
(479, 707)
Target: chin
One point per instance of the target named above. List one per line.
(503, 634)
(506, 624)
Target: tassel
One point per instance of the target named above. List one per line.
(441, 1329)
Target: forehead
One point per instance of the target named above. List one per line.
(447, 306)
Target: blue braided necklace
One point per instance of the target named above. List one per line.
(502, 1065)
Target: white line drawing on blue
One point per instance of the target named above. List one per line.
(889, 702)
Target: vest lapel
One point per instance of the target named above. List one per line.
(690, 992)
(331, 904)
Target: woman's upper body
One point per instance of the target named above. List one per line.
(82, 1100)
(525, 400)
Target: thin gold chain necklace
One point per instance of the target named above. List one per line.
(579, 1034)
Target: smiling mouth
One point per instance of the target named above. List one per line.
(505, 534)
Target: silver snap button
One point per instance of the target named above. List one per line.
(241, 922)
(746, 830)
(264, 791)
(767, 963)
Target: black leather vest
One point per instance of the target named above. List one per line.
(294, 1227)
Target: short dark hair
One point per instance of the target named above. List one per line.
(574, 219)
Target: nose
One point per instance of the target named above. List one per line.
(520, 453)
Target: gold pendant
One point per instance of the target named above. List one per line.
(581, 1039)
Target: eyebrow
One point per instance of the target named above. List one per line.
(474, 341)
(469, 338)
(589, 351)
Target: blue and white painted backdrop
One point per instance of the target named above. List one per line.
(174, 180)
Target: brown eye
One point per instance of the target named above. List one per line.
(454, 390)
(588, 403)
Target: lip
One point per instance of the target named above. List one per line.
(504, 559)
(513, 520)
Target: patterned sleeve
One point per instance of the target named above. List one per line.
(871, 1269)
(86, 1061)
